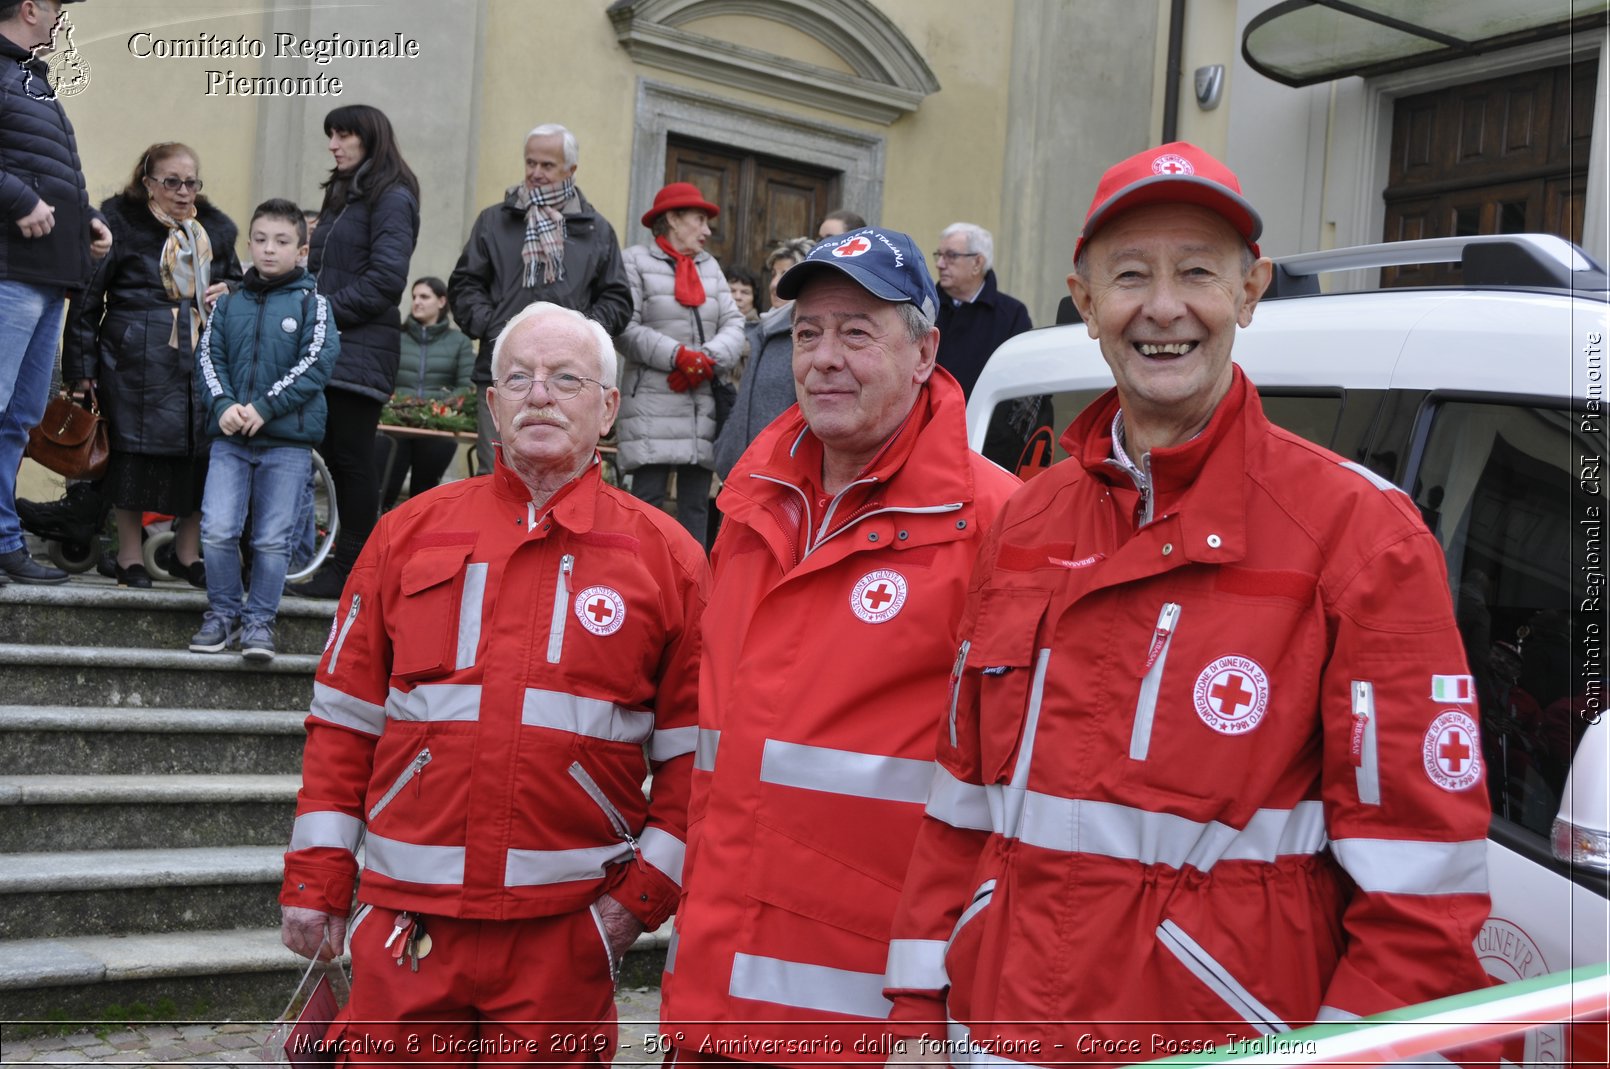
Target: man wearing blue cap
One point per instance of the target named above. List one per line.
(851, 527)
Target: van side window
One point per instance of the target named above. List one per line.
(1496, 486)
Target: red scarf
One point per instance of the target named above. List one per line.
(689, 287)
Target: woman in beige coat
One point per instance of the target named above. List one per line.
(685, 330)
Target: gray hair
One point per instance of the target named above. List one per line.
(978, 240)
(917, 324)
(795, 249)
(547, 310)
(549, 129)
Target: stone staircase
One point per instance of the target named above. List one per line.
(146, 797)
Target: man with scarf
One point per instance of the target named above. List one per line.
(544, 242)
(50, 235)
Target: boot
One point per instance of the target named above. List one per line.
(331, 577)
(77, 518)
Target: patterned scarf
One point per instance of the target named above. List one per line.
(689, 286)
(186, 268)
(544, 230)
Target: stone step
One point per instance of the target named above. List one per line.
(242, 975)
(119, 676)
(123, 892)
(94, 611)
(66, 740)
(57, 813)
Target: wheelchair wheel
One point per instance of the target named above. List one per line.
(75, 558)
(314, 535)
(157, 554)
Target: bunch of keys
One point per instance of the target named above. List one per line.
(409, 940)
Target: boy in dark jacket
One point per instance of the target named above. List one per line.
(263, 363)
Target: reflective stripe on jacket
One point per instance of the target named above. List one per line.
(821, 686)
(1194, 773)
(496, 686)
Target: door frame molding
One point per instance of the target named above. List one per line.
(663, 109)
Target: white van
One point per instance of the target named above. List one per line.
(1483, 399)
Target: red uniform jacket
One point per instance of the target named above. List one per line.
(1217, 769)
(821, 686)
(497, 684)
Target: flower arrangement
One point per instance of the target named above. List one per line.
(453, 413)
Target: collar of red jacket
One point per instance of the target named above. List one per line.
(572, 505)
(1200, 484)
(933, 470)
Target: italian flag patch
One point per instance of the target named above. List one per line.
(1458, 689)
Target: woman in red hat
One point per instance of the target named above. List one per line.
(685, 331)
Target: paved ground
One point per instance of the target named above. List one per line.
(241, 1043)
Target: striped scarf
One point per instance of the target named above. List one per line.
(186, 268)
(544, 243)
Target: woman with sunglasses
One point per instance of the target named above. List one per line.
(359, 254)
(132, 336)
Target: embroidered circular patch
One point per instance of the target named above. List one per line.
(1232, 694)
(601, 610)
(854, 247)
(1171, 163)
(1452, 751)
(288, 325)
(879, 596)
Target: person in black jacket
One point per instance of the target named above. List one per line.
(133, 338)
(365, 236)
(507, 265)
(48, 236)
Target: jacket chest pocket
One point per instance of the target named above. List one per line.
(1009, 671)
(437, 630)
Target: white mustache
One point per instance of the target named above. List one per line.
(551, 414)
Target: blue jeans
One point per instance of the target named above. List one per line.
(30, 328)
(269, 482)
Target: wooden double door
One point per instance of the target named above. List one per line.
(764, 200)
(1503, 156)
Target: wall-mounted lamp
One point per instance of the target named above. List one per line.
(1209, 86)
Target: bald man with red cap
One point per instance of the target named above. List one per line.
(1193, 784)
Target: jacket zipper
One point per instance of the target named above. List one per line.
(1016, 799)
(415, 767)
(341, 639)
(561, 605)
(956, 686)
(1140, 740)
(1362, 747)
(600, 799)
(981, 898)
(1218, 979)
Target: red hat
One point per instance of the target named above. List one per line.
(1175, 173)
(679, 195)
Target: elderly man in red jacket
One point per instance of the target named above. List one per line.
(511, 657)
(1202, 780)
(851, 525)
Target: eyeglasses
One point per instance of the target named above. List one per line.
(561, 386)
(949, 256)
(173, 185)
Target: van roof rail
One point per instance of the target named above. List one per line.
(1509, 260)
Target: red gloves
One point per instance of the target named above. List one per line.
(693, 369)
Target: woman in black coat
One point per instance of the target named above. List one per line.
(360, 250)
(133, 336)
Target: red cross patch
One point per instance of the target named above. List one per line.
(601, 610)
(1232, 695)
(854, 247)
(878, 596)
(1171, 163)
(1452, 751)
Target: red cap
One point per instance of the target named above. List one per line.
(1175, 173)
(676, 196)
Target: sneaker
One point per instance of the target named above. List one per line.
(257, 643)
(216, 633)
(19, 567)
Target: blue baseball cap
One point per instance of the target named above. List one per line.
(885, 263)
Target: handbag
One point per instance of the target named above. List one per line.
(71, 440)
